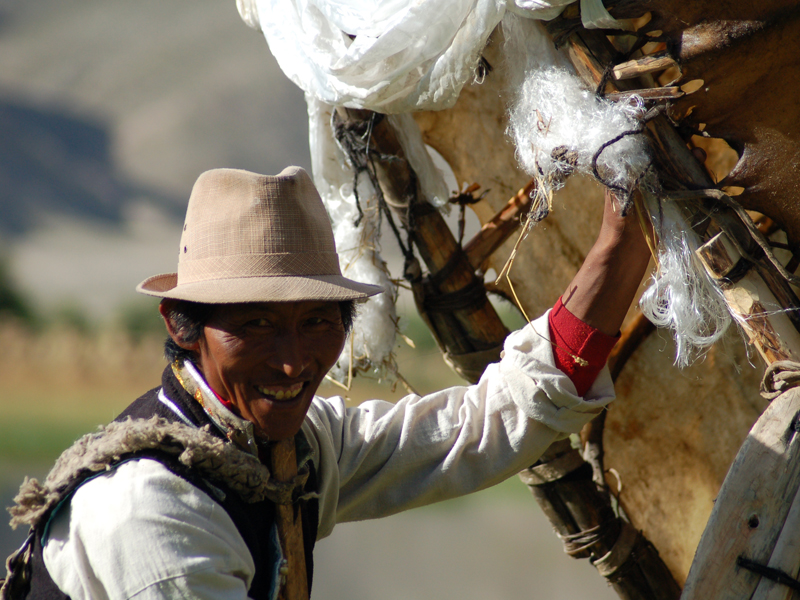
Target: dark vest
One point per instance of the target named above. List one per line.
(254, 521)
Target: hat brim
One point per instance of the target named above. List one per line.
(259, 289)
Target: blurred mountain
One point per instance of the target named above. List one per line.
(108, 113)
(55, 162)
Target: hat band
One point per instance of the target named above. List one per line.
(258, 265)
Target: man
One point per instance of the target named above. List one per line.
(182, 505)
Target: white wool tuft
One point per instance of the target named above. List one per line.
(553, 111)
(682, 296)
(373, 334)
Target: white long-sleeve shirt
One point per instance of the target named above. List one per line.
(142, 532)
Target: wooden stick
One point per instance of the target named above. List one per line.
(642, 66)
(502, 226)
(461, 331)
(659, 93)
(751, 300)
(283, 464)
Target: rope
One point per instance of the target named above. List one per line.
(600, 90)
(443, 274)
(578, 543)
(472, 294)
(780, 377)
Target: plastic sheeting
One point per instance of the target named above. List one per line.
(390, 56)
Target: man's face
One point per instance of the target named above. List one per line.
(269, 358)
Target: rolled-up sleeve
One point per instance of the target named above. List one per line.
(381, 458)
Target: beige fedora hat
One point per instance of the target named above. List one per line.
(256, 238)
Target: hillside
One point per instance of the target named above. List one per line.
(108, 112)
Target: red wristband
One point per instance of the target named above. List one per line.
(572, 337)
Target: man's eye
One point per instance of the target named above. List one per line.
(260, 323)
(321, 323)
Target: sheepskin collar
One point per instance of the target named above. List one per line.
(194, 448)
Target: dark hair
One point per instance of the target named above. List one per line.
(349, 310)
(189, 318)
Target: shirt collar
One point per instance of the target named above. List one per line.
(237, 430)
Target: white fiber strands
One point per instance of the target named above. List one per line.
(390, 56)
(682, 296)
(554, 113)
(373, 335)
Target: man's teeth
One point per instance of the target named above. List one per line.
(282, 393)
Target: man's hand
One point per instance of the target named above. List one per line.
(604, 287)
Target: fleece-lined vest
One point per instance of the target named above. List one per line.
(150, 428)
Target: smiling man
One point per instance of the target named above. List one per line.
(174, 499)
(266, 358)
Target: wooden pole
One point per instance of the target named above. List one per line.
(496, 231)
(582, 515)
(283, 464)
(463, 330)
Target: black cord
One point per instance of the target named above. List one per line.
(625, 192)
(362, 158)
(770, 573)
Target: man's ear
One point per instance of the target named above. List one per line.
(165, 308)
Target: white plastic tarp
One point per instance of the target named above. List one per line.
(390, 56)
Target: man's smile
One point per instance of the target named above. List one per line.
(282, 392)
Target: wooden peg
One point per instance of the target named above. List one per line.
(642, 66)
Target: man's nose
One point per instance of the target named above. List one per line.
(291, 355)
